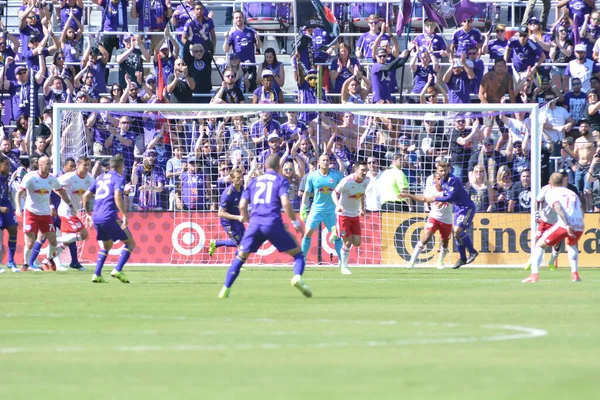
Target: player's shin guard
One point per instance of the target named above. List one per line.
(345, 256)
(12, 247)
(125, 254)
(418, 249)
(225, 243)
(443, 253)
(35, 252)
(27, 255)
(573, 255)
(299, 264)
(234, 270)
(305, 245)
(338, 247)
(466, 241)
(100, 261)
(536, 259)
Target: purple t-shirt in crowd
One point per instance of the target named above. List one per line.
(308, 95)
(576, 104)
(242, 42)
(496, 48)
(578, 9)
(65, 11)
(30, 30)
(524, 56)
(183, 16)
(288, 133)
(459, 88)
(320, 37)
(104, 187)
(200, 30)
(421, 76)
(366, 42)
(257, 130)
(115, 17)
(345, 74)
(382, 83)
(156, 20)
(462, 40)
(125, 151)
(478, 69)
(434, 43)
(264, 194)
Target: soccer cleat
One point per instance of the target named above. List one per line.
(440, 265)
(24, 268)
(13, 267)
(553, 265)
(77, 265)
(527, 267)
(346, 271)
(472, 257)
(299, 284)
(531, 278)
(120, 276)
(98, 279)
(334, 235)
(48, 265)
(2, 270)
(460, 263)
(35, 269)
(212, 246)
(575, 276)
(224, 293)
(61, 268)
(410, 265)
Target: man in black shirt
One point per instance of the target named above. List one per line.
(181, 84)
(199, 60)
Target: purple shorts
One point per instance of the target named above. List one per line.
(235, 230)
(111, 231)
(8, 219)
(463, 216)
(275, 233)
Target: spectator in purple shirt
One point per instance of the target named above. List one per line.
(364, 46)
(31, 24)
(307, 93)
(497, 47)
(261, 130)
(244, 41)
(578, 9)
(114, 19)
(267, 92)
(381, 74)
(70, 40)
(270, 62)
(180, 17)
(432, 41)
(477, 65)
(459, 80)
(524, 54)
(200, 28)
(153, 16)
(9, 52)
(463, 37)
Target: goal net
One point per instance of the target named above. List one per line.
(200, 146)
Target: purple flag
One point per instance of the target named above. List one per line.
(450, 13)
(404, 17)
(576, 38)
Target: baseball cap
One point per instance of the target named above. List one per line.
(33, 39)
(457, 64)
(133, 85)
(533, 20)
(95, 51)
(127, 36)
(150, 152)
(150, 77)
(488, 141)
(165, 45)
(82, 93)
(523, 31)
(381, 51)
(580, 47)
(266, 72)
(20, 68)
(47, 110)
(191, 158)
(273, 136)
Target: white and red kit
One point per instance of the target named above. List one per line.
(548, 216)
(75, 187)
(351, 194)
(440, 215)
(572, 207)
(37, 203)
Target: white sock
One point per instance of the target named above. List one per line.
(345, 253)
(443, 254)
(573, 254)
(554, 256)
(67, 239)
(27, 255)
(536, 259)
(51, 251)
(416, 252)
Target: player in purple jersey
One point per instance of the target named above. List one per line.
(268, 194)
(108, 190)
(229, 213)
(8, 220)
(464, 210)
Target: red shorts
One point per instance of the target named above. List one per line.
(348, 226)
(33, 223)
(434, 225)
(71, 224)
(556, 233)
(542, 227)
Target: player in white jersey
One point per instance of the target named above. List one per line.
(349, 199)
(72, 229)
(440, 219)
(37, 217)
(569, 226)
(545, 217)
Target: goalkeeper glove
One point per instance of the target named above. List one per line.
(303, 213)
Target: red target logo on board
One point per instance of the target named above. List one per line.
(188, 238)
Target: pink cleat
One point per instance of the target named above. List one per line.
(531, 278)
(575, 276)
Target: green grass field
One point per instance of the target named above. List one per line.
(378, 334)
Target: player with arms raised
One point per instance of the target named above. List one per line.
(8, 220)
(570, 226)
(349, 199)
(76, 183)
(440, 219)
(37, 218)
(464, 210)
(108, 190)
(321, 183)
(268, 194)
(229, 213)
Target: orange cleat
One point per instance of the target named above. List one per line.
(24, 268)
(575, 276)
(531, 278)
(48, 265)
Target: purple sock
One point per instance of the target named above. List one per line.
(125, 253)
(12, 248)
(461, 247)
(299, 264)
(73, 251)
(233, 271)
(100, 261)
(467, 242)
(226, 243)
(35, 252)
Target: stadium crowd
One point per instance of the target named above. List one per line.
(55, 57)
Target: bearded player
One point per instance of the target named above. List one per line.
(349, 199)
(321, 183)
(440, 219)
(569, 226)
(454, 192)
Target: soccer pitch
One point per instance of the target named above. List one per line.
(378, 334)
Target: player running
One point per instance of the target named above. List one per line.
(108, 190)
(229, 213)
(321, 183)
(8, 220)
(267, 195)
(350, 206)
(545, 217)
(72, 229)
(464, 211)
(569, 225)
(440, 219)
(38, 185)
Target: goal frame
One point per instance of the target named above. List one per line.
(531, 108)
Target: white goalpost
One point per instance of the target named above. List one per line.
(503, 239)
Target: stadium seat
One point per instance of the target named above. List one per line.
(359, 13)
